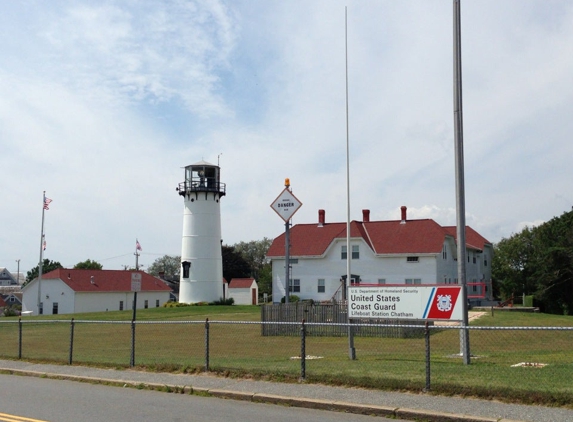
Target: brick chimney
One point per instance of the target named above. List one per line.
(321, 218)
(403, 208)
(366, 216)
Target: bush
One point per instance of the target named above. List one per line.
(229, 301)
(11, 311)
(176, 305)
(291, 298)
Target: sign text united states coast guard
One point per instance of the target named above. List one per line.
(405, 301)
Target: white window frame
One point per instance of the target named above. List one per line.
(321, 285)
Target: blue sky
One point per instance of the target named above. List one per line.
(102, 104)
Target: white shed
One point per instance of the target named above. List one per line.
(244, 291)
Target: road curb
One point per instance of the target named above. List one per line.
(319, 404)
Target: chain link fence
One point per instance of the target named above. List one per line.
(506, 362)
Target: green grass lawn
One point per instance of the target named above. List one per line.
(173, 339)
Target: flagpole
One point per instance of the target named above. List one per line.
(351, 349)
(41, 253)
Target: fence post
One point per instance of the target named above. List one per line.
(71, 341)
(302, 351)
(207, 345)
(427, 337)
(20, 338)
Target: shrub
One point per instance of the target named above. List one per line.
(291, 298)
(229, 301)
(11, 311)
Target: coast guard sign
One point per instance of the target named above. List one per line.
(405, 302)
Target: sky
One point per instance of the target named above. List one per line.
(103, 103)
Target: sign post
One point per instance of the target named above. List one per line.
(286, 205)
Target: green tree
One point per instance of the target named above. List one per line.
(265, 280)
(512, 264)
(255, 254)
(169, 265)
(553, 265)
(539, 261)
(234, 265)
(47, 266)
(88, 264)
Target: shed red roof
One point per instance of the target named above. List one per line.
(383, 237)
(241, 283)
(105, 280)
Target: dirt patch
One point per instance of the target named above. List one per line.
(472, 316)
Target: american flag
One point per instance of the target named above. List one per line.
(137, 245)
(46, 203)
(44, 242)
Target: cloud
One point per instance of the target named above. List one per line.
(102, 104)
(157, 52)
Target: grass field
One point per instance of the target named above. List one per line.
(173, 339)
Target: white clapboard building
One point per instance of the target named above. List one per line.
(64, 291)
(382, 252)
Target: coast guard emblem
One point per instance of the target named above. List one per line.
(445, 303)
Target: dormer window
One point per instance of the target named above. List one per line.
(355, 252)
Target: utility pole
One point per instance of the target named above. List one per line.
(18, 272)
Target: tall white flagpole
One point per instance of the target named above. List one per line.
(351, 349)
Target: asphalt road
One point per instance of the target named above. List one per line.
(67, 401)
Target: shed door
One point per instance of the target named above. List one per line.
(253, 296)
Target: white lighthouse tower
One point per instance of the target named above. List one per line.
(201, 277)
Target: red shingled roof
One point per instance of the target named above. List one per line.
(474, 240)
(105, 280)
(241, 283)
(384, 237)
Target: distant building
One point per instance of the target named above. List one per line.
(7, 279)
(64, 291)
(244, 291)
(382, 252)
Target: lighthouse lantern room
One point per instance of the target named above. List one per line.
(201, 278)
